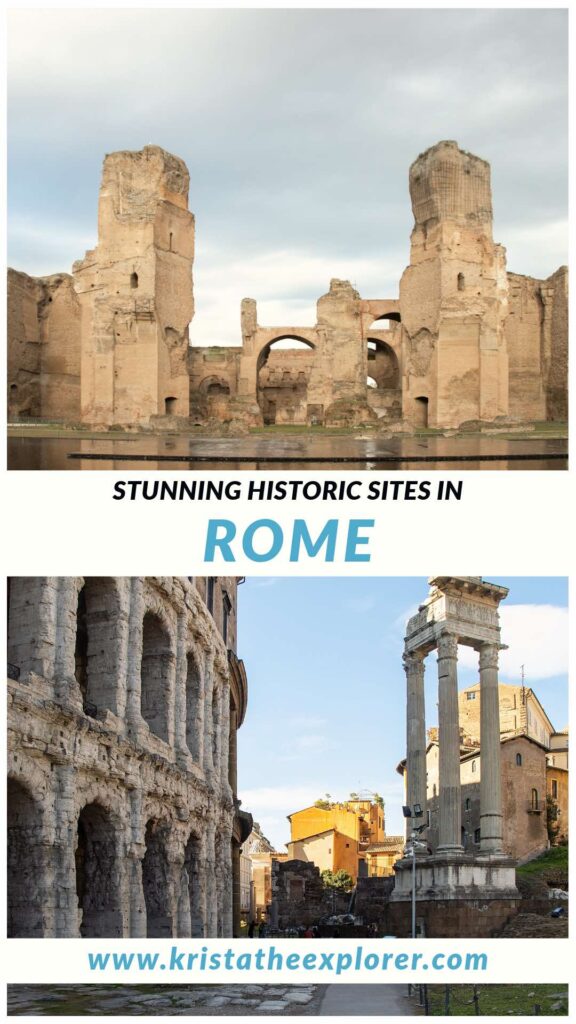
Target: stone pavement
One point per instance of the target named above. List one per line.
(210, 1000)
(164, 1000)
(368, 1000)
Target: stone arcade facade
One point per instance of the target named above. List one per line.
(463, 340)
(458, 892)
(125, 695)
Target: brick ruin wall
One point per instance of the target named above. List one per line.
(120, 808)
(468, 341)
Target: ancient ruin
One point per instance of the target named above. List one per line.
(463, 341)
(459, 610)
(125, 695)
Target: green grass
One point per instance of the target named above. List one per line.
(500, 1000)
(556, 858)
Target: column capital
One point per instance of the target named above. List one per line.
(413, 661)
(447, 645)
(488, 656)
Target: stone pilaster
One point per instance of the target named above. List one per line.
(180, 709)
(133, 682)
(450, 839)
(415, 732)
(67, 913)
(490, 777)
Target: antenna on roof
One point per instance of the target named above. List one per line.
(523, 685)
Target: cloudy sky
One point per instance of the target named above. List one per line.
(326, 687)
(298, 128)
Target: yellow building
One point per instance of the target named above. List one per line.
(336, 837)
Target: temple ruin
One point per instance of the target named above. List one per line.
(453, 885)
(464, 340)
(124, 698)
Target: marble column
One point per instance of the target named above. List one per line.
(415, 732)
(490, 769)
(450, 839)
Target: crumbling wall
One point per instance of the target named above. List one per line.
(113, 829)
(43, 347)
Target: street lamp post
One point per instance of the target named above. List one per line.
(413, 813)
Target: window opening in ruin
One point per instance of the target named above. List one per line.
(192, 886)
(468, 804)
(96, 641)
(193, 707)
(170, 405)
(27, 864)
(473, 766)
(476, 835)
(97, 874)
(156, 675)
(384, 366)
(210, 594)
(461, 283)
(134, 279)
(421, 411)
(226, 609)
(534, 800)
(554, 789)
(519, 759)
(170, 242)
(156, 881)
(383, 322)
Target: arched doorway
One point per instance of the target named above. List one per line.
(98, 874)
(26, 863)
(384, 393)
(283, 372)
(156, 881)
(216, 392)
(156, 675)
(421, 411)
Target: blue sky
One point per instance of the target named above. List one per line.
(298, 128)
(326, 685)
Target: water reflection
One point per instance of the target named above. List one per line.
(285, 453)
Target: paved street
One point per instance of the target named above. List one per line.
(367, 1000)
(209, 1000)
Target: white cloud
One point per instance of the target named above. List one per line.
(537, 637)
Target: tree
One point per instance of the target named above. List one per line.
(354, 796)
(379, 800)
(340, 880)
(552, 823)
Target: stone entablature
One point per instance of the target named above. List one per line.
(464, 341)
(123, 705)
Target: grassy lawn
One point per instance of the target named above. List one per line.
(556, 857)
(499, 1000)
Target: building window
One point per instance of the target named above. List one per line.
(461, 282)
(226, 609)
(134, 280)
(470, 695)
(210, 594)
(467, 805)
(473, 766)
(534, 799)
(476, 835)
(554, 789)
(519, 760)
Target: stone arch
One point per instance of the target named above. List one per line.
(282, 378)
(156, 674)
(97, 654)
(26, 862)
(194, 703)
(216, 392)
(383, 320)
(383, 365)
(156, 881)
(98, 873)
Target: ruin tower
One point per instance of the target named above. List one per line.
(453, 296)
(135, 290)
